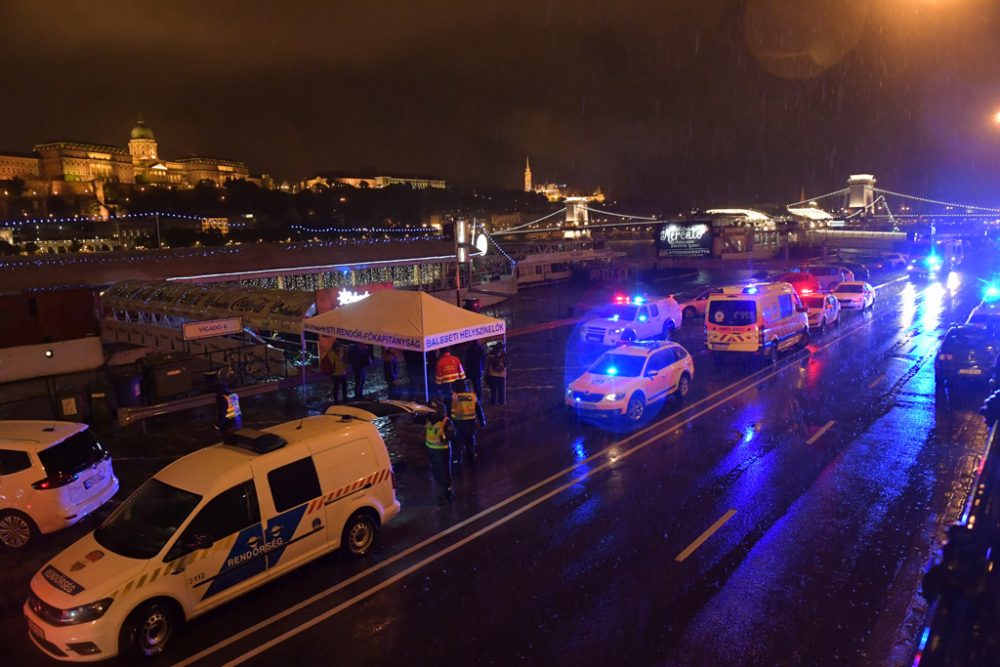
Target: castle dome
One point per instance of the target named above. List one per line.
(140, 131)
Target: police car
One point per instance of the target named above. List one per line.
(624, 381)
(632, 318)
(210, 527)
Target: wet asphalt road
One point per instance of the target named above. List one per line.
(779, 516)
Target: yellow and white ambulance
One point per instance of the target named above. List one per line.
(761, 319)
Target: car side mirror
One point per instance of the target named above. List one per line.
(197, 541)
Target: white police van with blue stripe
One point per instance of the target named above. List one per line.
(210, 527)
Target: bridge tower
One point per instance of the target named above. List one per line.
(527, 175)
(577, 218)
(861, 192)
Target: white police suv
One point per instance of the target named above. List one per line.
(629, 319)
(624, 381)
(209, 527)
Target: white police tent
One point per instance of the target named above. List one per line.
(406, 320)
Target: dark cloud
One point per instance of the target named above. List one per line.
(683, 103)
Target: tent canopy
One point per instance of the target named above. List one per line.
(406, 320)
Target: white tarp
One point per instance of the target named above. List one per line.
(405, 320)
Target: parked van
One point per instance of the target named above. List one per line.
(761, 319)
(210, 527)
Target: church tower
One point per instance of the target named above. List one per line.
(527, 175)
(142, 144)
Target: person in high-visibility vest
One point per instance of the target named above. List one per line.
(227, 409)
(438, 432)
(465, 411)
(448, 369)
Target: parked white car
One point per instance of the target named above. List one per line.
(694, 303)
(822, 309)
(625, 381)
(52, 474)
(855, 295)
(629, 319)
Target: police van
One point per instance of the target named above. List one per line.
(761, 319)
(208, 528)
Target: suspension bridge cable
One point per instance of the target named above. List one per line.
(527, 224)
(620, 215)
(938, 202)
(812, 199)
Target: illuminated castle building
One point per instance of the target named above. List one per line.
(556, 192)
(59, 167)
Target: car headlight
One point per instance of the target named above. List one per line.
(615, 397)
(73, 616)
(569, 392)
(617, 331)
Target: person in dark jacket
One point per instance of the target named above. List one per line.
(390, 370)
(361, 359)
(475, 357)
(414, 362)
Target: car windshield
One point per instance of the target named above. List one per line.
(618, 365)
(732, 313)
(965, 341)
(143, 524)
(850, 289)
(814, 301)
(623, 313)
(796, 277)
(75, 453)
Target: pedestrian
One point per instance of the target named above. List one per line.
(361, 359)
(474, 364)
(229, 417)
(414, 363)
(338, 371)
(447, 370)
(390, 370)
(438, 433)
(496, 373)
(465, 411)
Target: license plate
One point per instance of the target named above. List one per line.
(96, 479)
(34, 629)
(595, 339)
(969, 371)
(720, 346)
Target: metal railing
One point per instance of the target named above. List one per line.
(962, 582)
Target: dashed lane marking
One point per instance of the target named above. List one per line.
(877, 381)
(701, 539)
(819, 434)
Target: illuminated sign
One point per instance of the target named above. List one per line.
(347, 296)
(685, 239)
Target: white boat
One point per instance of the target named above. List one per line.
(550, 262)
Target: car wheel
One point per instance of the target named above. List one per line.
(636, 407)
(148, 630)
(772, 354)
(628, 336)
(17, 530)
(690, 313)
(668, 330)
(359, 534)
(683, 386)
(805, 337)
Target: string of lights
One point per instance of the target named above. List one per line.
(499, 248)
(15, 222)
(812, 199)
(937, 202)
(354, 230)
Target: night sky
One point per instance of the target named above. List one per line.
(685, 102)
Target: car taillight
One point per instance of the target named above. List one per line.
(55, 481)
(945, 357)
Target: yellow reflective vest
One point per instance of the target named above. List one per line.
(434, 434)
(463, 406)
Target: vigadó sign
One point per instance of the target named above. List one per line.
(210, 328)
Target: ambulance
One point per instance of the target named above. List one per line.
(760, 319)
(210, 527)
